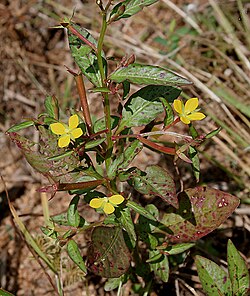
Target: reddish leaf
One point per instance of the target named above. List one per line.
(61, 170)
(108, 255)
(155, 181)
(201, 210)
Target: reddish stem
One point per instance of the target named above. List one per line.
(81, 37)
(84, 101)
(166, 150)
(79, 185)
(173, 123)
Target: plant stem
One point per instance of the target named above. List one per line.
(59, 285)
(84, 102)
(106, 101)
(81, 37)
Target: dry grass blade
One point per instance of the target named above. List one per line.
(231, 37)
(184, 15)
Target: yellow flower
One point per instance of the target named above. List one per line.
(188, 112)
(67, 132)
(108, 204)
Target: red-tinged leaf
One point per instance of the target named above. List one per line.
(215, 281)
(238, 271)
(108, 255)
(201, 210)
(165, 150)
(156, 181)
(59, 170)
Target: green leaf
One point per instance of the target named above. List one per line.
(132, 7)
(145, 229)
(61, 219)
(140, 210)
(75, 255)
(94, 143)
(73, 214)
(51, 107)
(124, 158)
(152, 209)
(192, 131)
(149, 75)
(201, 210)
(63, 170)
(128, 225)
(60, 156)
(84, 56)
(20, 126)
(5, 293)
(169, 114)
(160, 266)
(145, 105)
(108, 255)
(156, 181)
(49, 232)
(100, 125)
(213, 133)
(194, 156)
(155, 257)
(113, 283)
(177, 249)
(215, 281)
(126, 89)
(238, 271)
(100, 89)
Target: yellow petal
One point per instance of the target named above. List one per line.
(73, 121)
(191, 105)
(184, 119)
(57, 128)
(116, 199)
(96, 203)
(178, 106)
(76, 133)
(64, 141)
(196, 116)
(108, 208)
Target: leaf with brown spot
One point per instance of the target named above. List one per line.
(155, 181)
(108, 255)
(201, 210)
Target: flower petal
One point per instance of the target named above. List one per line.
(96, 203)
(178, 106)
(76, 133)
(73, 121)
(108, 208)
(64, 141)
(185, 119)
(196, 116)
(116, 199)
(57, 128)
(191, 105)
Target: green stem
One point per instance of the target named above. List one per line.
(106, 101)
(59, 285)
